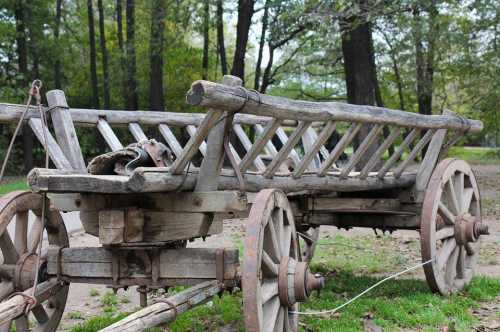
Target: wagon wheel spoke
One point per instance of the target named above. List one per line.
(269, 289)
(21, 232)
(459, 189)
(445, 213)
(271, 310)
(445, 252)
(467, 199)
(308, 244)
(9, 252)
(280, 320)
(461, 262)
(272, 246)
(451, 266)
(451, 195)
(34, 234)
(269, 267)
(445, 233)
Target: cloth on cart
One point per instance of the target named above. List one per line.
(146, 153)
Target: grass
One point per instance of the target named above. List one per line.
(12, 185)
(476, 155)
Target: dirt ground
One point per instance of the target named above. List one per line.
(84, 301)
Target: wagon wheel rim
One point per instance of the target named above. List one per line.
(18, 255)
(308, 239)
(450, 226)
(270, 238)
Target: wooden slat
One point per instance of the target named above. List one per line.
(340, 147)
(195, 141)
(192, 132)
(136, 131)
(109, 136)
(170, 138)
(430, 160)
(375, 158)
(269, 145)
(280, 132)
(252, 154)
(55, 152)
(322, 150)
(287, 148)
(318, 144)
(397, 154)
(308, 143)
(361, 150)
(420, 145)
(64, 129)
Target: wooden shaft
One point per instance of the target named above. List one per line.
(363, 147)
(286, 149)
(420, 145)
(166, 311)
(209, 94)
(137, 132)
(318, 144)
(398, 153)
(340, 147)
(375, 158)
(109, 136)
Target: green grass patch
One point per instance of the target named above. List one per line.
(476, 155)
(13, 185)
(97, 323)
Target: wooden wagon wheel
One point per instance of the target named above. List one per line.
(451, 226)
(18, 247)
(274, 279)
(308, 238)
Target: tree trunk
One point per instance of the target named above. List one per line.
(123, 60)
(358, 65)
(156, 97)
(93, 67)
(22, 58)
(132, 99)
(262, 42)
(206, 27)
(245, 13)
(266, 78)
(57, 60)
(220, 37)
(104, 53)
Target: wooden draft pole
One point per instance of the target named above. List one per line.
(166, 310)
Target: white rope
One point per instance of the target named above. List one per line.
(331, 311)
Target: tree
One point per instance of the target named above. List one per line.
(132, 99)
(156, 97)
(220, 37)
(57, 61)
(245, 13)
(93, 67)
(262, 42)
(206, 38)
(121, 49)
(104, 53)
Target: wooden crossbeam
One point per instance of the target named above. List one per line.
(416, 149)
(398, 153)
(195, 141)
(361, 150)
(318, 144)
(375, 158)
(245, 141)
(339, 148)
(108, 134)
(55, 152)
(264, 137)
(286, 148)
(137, 132)
(170, 138)
(280, 132)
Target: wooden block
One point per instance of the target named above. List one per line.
(167, 226)
(134, 224)
(111, 226)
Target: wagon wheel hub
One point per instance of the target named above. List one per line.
(296, 282)
(468, 230)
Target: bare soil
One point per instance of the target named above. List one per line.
(83, 299)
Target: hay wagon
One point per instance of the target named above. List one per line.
(286, 166)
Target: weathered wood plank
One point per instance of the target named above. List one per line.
(430, 160)
(56, 154)
(375, 158)
(308, 141)
(65, 130)
(170, 138)
(161, 180)
(413, 154)
(188, 263)
(283, 137)
(136, 131)
(339, 148)
(245, 141)
(108, 135)
(361, 150)
(398, 153)
(209, 94)
(322, 150)
(365, 205)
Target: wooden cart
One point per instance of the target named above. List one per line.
(290, 167)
